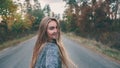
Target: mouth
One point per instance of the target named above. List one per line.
(55, 35)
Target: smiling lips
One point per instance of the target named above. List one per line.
(55, 35)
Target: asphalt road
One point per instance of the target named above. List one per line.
(20, 56)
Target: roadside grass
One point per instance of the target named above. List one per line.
(97, 46)
(15, 41)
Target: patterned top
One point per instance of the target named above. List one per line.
(49, 57)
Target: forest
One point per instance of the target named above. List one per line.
(92, 19)
(18, 19)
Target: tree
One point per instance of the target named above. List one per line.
(47, 10)
(7, 7)
(38, 14)
(7, 10)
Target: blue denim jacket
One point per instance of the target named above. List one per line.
(49, 57)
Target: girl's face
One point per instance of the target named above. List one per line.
(52, 30)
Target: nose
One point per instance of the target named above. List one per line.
(55, 30)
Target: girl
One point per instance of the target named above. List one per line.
(49, 51)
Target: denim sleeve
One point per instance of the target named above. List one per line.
(49, 57)
(52, 57)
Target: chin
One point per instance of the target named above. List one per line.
(54, 37)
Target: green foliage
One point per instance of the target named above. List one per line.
(16, 24)
(17, 27)
(7, 7)
(63, 24)
(97, 20)
(71, 2)
(3, 31)
(38, 14)
(35, 15)
(47, 9)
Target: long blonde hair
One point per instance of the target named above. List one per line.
(42, 38)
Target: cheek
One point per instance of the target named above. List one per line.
(49, 32)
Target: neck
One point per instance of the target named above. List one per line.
(52, 40)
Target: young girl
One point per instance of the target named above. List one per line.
(49, 51)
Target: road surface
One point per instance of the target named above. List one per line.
(20, 56)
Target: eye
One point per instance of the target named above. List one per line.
(52, 27)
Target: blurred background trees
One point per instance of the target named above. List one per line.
(94, 19)
(18, 19)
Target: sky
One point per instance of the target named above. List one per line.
(57, 6)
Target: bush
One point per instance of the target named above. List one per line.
(20, 26)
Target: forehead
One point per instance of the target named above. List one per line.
(52, 23)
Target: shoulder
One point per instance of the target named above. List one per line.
(49, 56)
(51, 46)
(52, 56)
(51, 50)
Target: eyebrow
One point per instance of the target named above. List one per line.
(52, 27)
